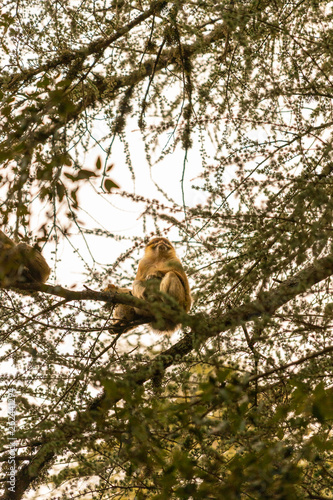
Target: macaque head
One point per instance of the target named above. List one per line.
(160, 248)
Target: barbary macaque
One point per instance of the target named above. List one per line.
(21, 263)
(160, 270)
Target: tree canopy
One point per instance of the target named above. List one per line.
(239, 404)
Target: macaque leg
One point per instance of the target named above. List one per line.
(173, 286)
(123, 314)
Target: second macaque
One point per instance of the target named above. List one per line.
(160, 270)
(21, 263)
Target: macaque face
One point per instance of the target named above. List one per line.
(160, 246)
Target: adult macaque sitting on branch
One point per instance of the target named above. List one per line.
(21, 263)
(160, 272)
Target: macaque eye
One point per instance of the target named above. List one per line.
(156, 242)
(164, 243)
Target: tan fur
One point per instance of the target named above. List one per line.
(160, 270)
(21, 263)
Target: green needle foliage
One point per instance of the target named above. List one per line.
(240, 406)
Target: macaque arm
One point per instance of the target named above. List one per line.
(139, 289)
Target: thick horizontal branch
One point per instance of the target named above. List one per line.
(202, 329)
(311, 355)
(110, 297)
(268, 302)
(202, 325)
